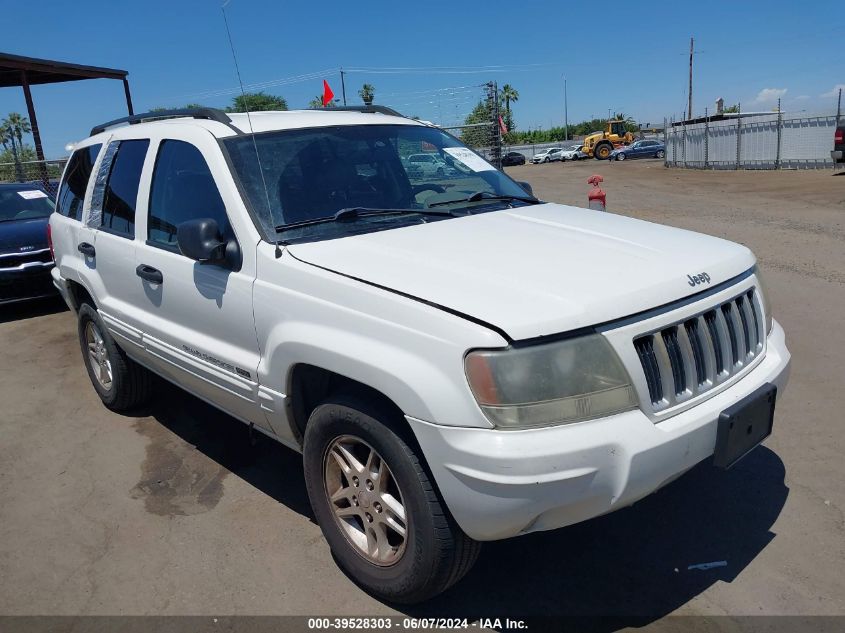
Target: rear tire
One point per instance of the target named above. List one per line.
(121, 383)
(660, 154)
(356, 505)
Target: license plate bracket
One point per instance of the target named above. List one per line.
(744, 425)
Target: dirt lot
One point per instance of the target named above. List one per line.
(173, 511)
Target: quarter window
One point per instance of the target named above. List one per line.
(78, 173)
(182, 189)
(121, 193)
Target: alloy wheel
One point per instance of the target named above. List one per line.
(98, 356)
(365, 500)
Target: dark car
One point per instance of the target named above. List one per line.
(838, 153)
(513, 158)
(25, 258)
(639, 149)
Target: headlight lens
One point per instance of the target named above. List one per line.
(764, 298)
(556, 383)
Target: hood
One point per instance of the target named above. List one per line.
(22, 234)
(535, 270)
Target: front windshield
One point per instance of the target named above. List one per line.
(314, 173)
(23, 203)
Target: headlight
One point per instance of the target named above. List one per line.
(556, 383)
(764, 298)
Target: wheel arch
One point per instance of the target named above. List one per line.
(79, 294)
(310, 385)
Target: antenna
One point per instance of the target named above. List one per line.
(278, 252)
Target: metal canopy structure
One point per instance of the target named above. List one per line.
(24, 72)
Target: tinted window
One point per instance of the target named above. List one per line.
(121, 193)
(183, 189)
(72, 191)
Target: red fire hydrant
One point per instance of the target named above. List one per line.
(597, 199)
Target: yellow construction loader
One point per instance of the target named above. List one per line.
(600, 144)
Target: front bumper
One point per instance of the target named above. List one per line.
(500, 484)
(25, 284)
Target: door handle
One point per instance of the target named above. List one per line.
(149, 273)
(86, 249)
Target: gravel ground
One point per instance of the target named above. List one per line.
(173, 511)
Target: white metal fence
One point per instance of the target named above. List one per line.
(752, 141)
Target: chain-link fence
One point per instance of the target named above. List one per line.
(774, 140)
(44, 173)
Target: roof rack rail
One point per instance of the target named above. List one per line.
(194, 113)
(369, 109)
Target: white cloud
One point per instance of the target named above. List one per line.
(834, 92)
(770, 95)
(802, 97)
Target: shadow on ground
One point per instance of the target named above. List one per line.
(631, 565)
(31, 309)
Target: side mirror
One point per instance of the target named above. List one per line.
(527, 186)
(200, 240)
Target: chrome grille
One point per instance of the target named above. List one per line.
(693, 356)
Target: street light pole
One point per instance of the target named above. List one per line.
(343, 86)
(565, 111)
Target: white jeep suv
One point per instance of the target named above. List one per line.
(457, 362)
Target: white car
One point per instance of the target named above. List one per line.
(428, 165)
(573, 152)
(547, 155)
(456, 365)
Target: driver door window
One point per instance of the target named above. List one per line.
(182, 189)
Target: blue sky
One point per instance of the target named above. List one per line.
(626, 56)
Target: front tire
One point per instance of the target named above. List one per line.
(376, 505)
(121, 383)
(620, 157)
(660, 154)
(602, 151)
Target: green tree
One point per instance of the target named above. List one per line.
(317, 102)
(11, 167)
(367, 94)
(477, 136)
(190, 106)
(734, 109)
(257, 102)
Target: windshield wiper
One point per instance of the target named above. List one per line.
(348, 214)
(484, 195)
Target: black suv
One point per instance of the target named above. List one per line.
(838, 153)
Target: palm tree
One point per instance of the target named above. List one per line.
(367, 94)
(509, 94)
(15, 126)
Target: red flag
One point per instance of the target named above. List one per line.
(328, 95)
(502, 125)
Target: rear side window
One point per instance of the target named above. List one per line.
(121, 192)
(182, 189)
(72, 192)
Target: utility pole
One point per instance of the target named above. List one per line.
(343, 86)
(691, 53)
(566, 110)
(495, 130)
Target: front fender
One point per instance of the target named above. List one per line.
(410, 351)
